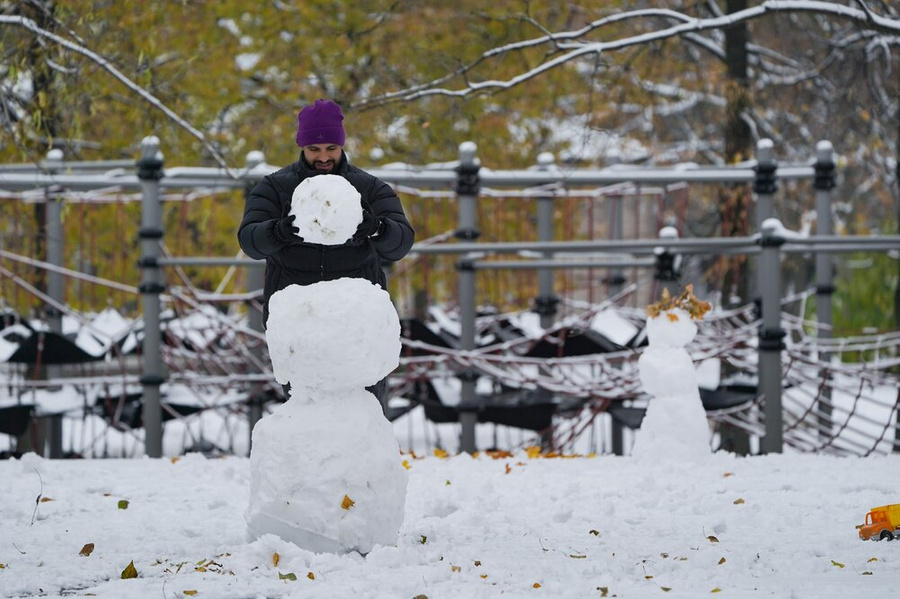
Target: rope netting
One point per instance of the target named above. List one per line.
(839, 395)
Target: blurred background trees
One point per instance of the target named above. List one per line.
(594, 82)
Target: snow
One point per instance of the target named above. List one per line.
(767, 526)
(327, 209)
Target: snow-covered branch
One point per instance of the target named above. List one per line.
(572, 45)
(102, 62)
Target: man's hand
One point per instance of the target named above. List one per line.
(285, 231)
(371, 225)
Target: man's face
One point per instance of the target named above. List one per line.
(323, 158)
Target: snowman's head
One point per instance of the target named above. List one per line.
(332, 335)
(327, 209)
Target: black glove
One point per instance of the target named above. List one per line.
(285, 231)
(371, 225)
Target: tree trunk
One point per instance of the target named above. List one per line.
(736, 201)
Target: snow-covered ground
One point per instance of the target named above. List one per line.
(490, 526)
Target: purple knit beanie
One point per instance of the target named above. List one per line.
(320, 123)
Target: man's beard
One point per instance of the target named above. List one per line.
(325, 167)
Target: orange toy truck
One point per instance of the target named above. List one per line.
(882, 523)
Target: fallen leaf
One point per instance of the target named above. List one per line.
(721, 561)
(664, 555)
(867, 573)
(648, 576)
(2, 566)
(534, 451)
(576, 556)
(421, 597)
(477, 562)
(874, 559)
(508, 469)
(422, 539)
(672, 317)
(130, 571)
(536, 585)
(347, 503)
(727, 474)
(738, 501)
(189, 593)
(87, 549)
(716, 590)
(712, 539)
(123, 504)
(406, 464)
(310, 575)
(46, 499)
(440, 453)
(604, 591)
(288, 576)
(455, 568)
(275, 559)
(838, 564)
(665, 589)
(594, 532)
(483, 576)
(175, 460)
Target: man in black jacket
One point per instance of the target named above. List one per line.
(267, 230)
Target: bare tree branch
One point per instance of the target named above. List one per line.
(31, 26)
(573, 48)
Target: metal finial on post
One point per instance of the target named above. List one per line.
(668, 263)
(254, 159)
(150, 171)
(771, 335)
(765, 184)
(824, 184)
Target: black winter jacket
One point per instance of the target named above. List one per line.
(306, 263)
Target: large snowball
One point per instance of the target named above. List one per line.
(327, 208)
(342, 334)
(307, 457)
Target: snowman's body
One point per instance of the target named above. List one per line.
(325, 468)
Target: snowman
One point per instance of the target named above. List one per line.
(675, 425)
(325, 468)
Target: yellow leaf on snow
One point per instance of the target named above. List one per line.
(838, 564)
(288, 576)
(455, 568)
(712, 539)
(440, 453)
(738, 501)
(87, 549)
(533, 451)
(130, 571)
(189, 593)
(406, 464)
(310, 575)
(46, 499)
(347, 503)
(275, 559)
(721, 561)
